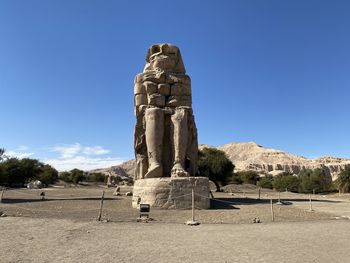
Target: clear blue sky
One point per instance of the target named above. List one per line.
(274, 72)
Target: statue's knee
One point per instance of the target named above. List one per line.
(153, 112)
(179, 114)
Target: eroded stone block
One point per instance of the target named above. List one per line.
(141, 99)
(172, 193)
(164, 89)
(156, 100)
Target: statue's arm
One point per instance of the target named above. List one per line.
(149, 93)
(180, 93)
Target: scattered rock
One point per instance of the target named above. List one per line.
(192, 223)
(35, 184)
(256, 220)
(117, 191)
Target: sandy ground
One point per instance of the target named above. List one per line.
(60, 240)
(83, 204)
(64, 228)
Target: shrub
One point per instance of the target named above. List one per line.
(65, 176)
(266, 182)
(343, 181)
(235, 179)
(3, 176)
(48, 175)
(96, 177)
(249, 177)
(314, 180)
(76, 176)
(286, 182)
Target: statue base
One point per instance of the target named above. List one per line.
(172, 193)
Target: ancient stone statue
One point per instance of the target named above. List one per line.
(165, 132)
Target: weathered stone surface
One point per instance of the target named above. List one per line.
(156, 99)
(172, 193)
(140, 99)
(165, 131)
(164, 89)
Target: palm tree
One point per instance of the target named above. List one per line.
(344, 180)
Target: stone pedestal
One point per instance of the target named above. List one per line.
(172, 193)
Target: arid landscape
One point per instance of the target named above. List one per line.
(64, 227)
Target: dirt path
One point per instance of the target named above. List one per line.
(59, 240)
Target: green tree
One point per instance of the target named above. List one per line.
(3, 176)
(76, 176)
(314, 180)
(15, 172)
(65, 176)
(249, 177)
(96, 177)
(235, 179)
(343, 180)
(266, 182)
(286, 181)
(48, 175)
(30, 168)
(215, 165)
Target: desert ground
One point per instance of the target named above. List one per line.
(63, 228)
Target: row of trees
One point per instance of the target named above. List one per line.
(307, 181)
(15, 172)
(75, 176)
(214, 164)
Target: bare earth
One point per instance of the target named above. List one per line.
(64, 229)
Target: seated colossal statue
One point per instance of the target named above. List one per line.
(165, 138)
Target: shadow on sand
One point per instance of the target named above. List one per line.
(230, 202)
(22, 200)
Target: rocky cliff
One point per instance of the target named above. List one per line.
(124, 170)
(251, 156)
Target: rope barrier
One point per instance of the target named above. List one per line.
(222, 201)
(53, 210)
(21, 192)
(54, 197)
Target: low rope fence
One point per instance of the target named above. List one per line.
(272, 199)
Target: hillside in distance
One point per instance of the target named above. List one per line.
(252, 156)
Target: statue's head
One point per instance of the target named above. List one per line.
(165, 57)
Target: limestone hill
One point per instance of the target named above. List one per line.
(251, 156)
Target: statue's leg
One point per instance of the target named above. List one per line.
(180, 134)
(154, 140)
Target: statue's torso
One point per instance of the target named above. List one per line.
(161, 89)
